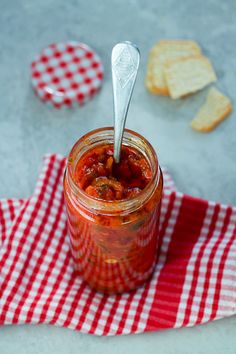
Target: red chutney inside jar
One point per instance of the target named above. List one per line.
(100, 177)
(113, 210)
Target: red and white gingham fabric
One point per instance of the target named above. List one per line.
(194, 281)
(66, 73)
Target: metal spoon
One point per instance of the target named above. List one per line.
(125, 59)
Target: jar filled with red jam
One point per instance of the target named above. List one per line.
(113, 210)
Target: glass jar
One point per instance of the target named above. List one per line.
(113, 243)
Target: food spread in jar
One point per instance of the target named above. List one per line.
(100, 177)
(113, 215)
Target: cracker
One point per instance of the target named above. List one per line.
(163, 52)
(215, 109)
(188, 75)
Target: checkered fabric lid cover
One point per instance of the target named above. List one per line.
(64, 74)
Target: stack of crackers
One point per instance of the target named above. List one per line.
(177, 68)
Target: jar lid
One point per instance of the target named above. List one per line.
(65, 74)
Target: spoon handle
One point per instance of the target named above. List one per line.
(125, 59)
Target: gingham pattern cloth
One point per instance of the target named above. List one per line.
(65, 74)
(194, 281)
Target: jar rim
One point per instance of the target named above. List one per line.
(111, 206)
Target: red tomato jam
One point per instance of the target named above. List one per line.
(113, 210)
(100, 177)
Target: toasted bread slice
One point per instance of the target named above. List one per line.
(162, 52)
(215, 109)
(188, 75)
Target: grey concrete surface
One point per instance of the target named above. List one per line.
(202, 165)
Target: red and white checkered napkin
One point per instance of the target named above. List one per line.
(194, 281)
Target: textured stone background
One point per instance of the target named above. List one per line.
(202, 165)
